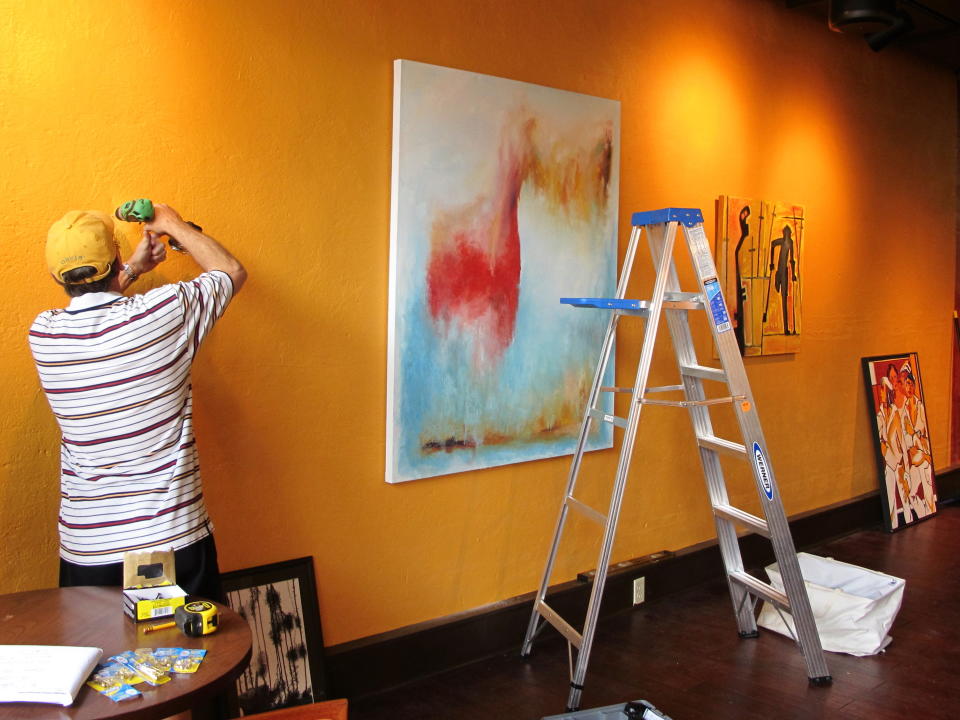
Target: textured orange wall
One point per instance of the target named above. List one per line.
(270, 125)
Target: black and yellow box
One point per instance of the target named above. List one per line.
(150, 589)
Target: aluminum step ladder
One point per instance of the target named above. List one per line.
(745, 589)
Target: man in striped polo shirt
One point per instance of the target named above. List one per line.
(116, 371)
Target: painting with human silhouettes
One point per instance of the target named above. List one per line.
(759, 249)
(504, 199)
(279, 602)
(896, 401)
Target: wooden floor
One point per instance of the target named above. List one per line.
(682, 654)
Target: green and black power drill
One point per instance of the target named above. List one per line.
(141, 210)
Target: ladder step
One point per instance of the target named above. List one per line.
(729, 512)
(606, 417)
(682, 297)
(586, 510)
(562, 626)
(760, 589)
(720, 445)
(683, 301)
(704, 372)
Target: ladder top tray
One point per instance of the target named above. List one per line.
(607, 303)
(686, 216)
(674, 300)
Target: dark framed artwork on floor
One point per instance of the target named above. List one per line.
(279, 601)
(908, 490)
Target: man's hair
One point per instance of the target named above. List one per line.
(75, 286)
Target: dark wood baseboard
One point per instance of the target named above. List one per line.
(380, 662)
(948, 484)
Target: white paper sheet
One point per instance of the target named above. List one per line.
(45, 673)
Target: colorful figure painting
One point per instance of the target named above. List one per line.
(908, 490)
(504, 199)
(759, 250)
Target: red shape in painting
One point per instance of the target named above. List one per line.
(473, 275)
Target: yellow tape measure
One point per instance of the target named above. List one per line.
(197, 618)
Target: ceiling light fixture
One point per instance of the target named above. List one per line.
(879, 21)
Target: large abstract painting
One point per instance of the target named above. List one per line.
(504, 199)
(759, 251)
(908, 489)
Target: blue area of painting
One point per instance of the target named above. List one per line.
(440, 386)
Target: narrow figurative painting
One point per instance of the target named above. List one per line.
(759, 248)
(504, 199)
(738, 220)
(895, 395)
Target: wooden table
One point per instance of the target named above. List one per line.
(93, 616)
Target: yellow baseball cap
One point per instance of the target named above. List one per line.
(81, 238)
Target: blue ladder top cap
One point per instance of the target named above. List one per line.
(686, 216)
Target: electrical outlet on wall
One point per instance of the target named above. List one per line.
(639, 590)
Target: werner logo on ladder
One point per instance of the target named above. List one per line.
(661, 228)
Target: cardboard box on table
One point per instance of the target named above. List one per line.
(150, 589)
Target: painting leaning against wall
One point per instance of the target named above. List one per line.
(759, 259)
(504, 199)
(279, 602)
(895, 395)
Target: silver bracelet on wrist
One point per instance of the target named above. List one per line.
(130, 273)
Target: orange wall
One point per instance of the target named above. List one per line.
(270, 125)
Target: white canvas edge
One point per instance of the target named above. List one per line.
(390, 470)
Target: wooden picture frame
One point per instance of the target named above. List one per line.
(279, 601)
(895, 396)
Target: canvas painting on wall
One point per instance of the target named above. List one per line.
(895, 394)
(504, 199)
(759, 250)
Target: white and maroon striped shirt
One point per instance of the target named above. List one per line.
(116, 371)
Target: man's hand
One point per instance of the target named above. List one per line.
(203, 249)
(166, 221)
(148, 254)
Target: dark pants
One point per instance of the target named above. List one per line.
(196, 567)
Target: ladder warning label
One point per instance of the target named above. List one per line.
(700, 250)
(762, 471)
(718, 308)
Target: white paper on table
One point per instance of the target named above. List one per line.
(45, 673)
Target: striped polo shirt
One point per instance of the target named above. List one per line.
(116, 371)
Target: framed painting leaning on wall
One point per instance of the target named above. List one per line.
(895, 395)
(279, 601)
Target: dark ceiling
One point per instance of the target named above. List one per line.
(936, 27)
